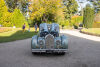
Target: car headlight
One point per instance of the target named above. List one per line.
(58, 42)
(41, 42)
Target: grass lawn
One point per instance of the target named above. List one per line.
(92, 31)
(16, 34)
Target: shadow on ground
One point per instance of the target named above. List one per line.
(49, 55)
(17, 36)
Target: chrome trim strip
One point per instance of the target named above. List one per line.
(54, 50)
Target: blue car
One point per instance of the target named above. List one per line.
(48, 40)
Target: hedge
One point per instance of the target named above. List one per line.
(96, 25)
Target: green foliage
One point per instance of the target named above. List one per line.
(93, 31)
(88, 17)
(53, 11)
(71, 8)
(76, 20)
(4, 15)
(47, 11)
(13, 4)
(40, 11)
(16, 34)
(18, 19)
(64, 23)
(8, 19)
(96, 5)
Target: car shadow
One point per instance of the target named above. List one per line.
(50, 54)
(47, 54)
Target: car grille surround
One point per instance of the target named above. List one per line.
(49, 41)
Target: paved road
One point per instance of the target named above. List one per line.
(82, 53)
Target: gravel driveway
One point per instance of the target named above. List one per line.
(82, 53)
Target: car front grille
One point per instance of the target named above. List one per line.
(49, 41)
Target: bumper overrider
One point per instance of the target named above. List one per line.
(50, 50)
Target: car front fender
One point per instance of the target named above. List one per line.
(34, 42)
(64, 41)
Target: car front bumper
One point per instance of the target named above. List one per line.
(49, 50)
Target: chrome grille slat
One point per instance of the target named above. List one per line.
(49, 41)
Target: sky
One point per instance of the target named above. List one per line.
(83, 4)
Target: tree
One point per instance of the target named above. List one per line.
(71, 8)
(46, 10)
(8, 19)
(12, 4)
(18, 19)
(3, 12)
(96, 6)
(88, 16)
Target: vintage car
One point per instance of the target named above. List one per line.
(48, 40)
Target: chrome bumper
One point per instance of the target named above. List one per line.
(49, 50)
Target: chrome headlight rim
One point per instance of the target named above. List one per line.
(41, 42)
(58, 42)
